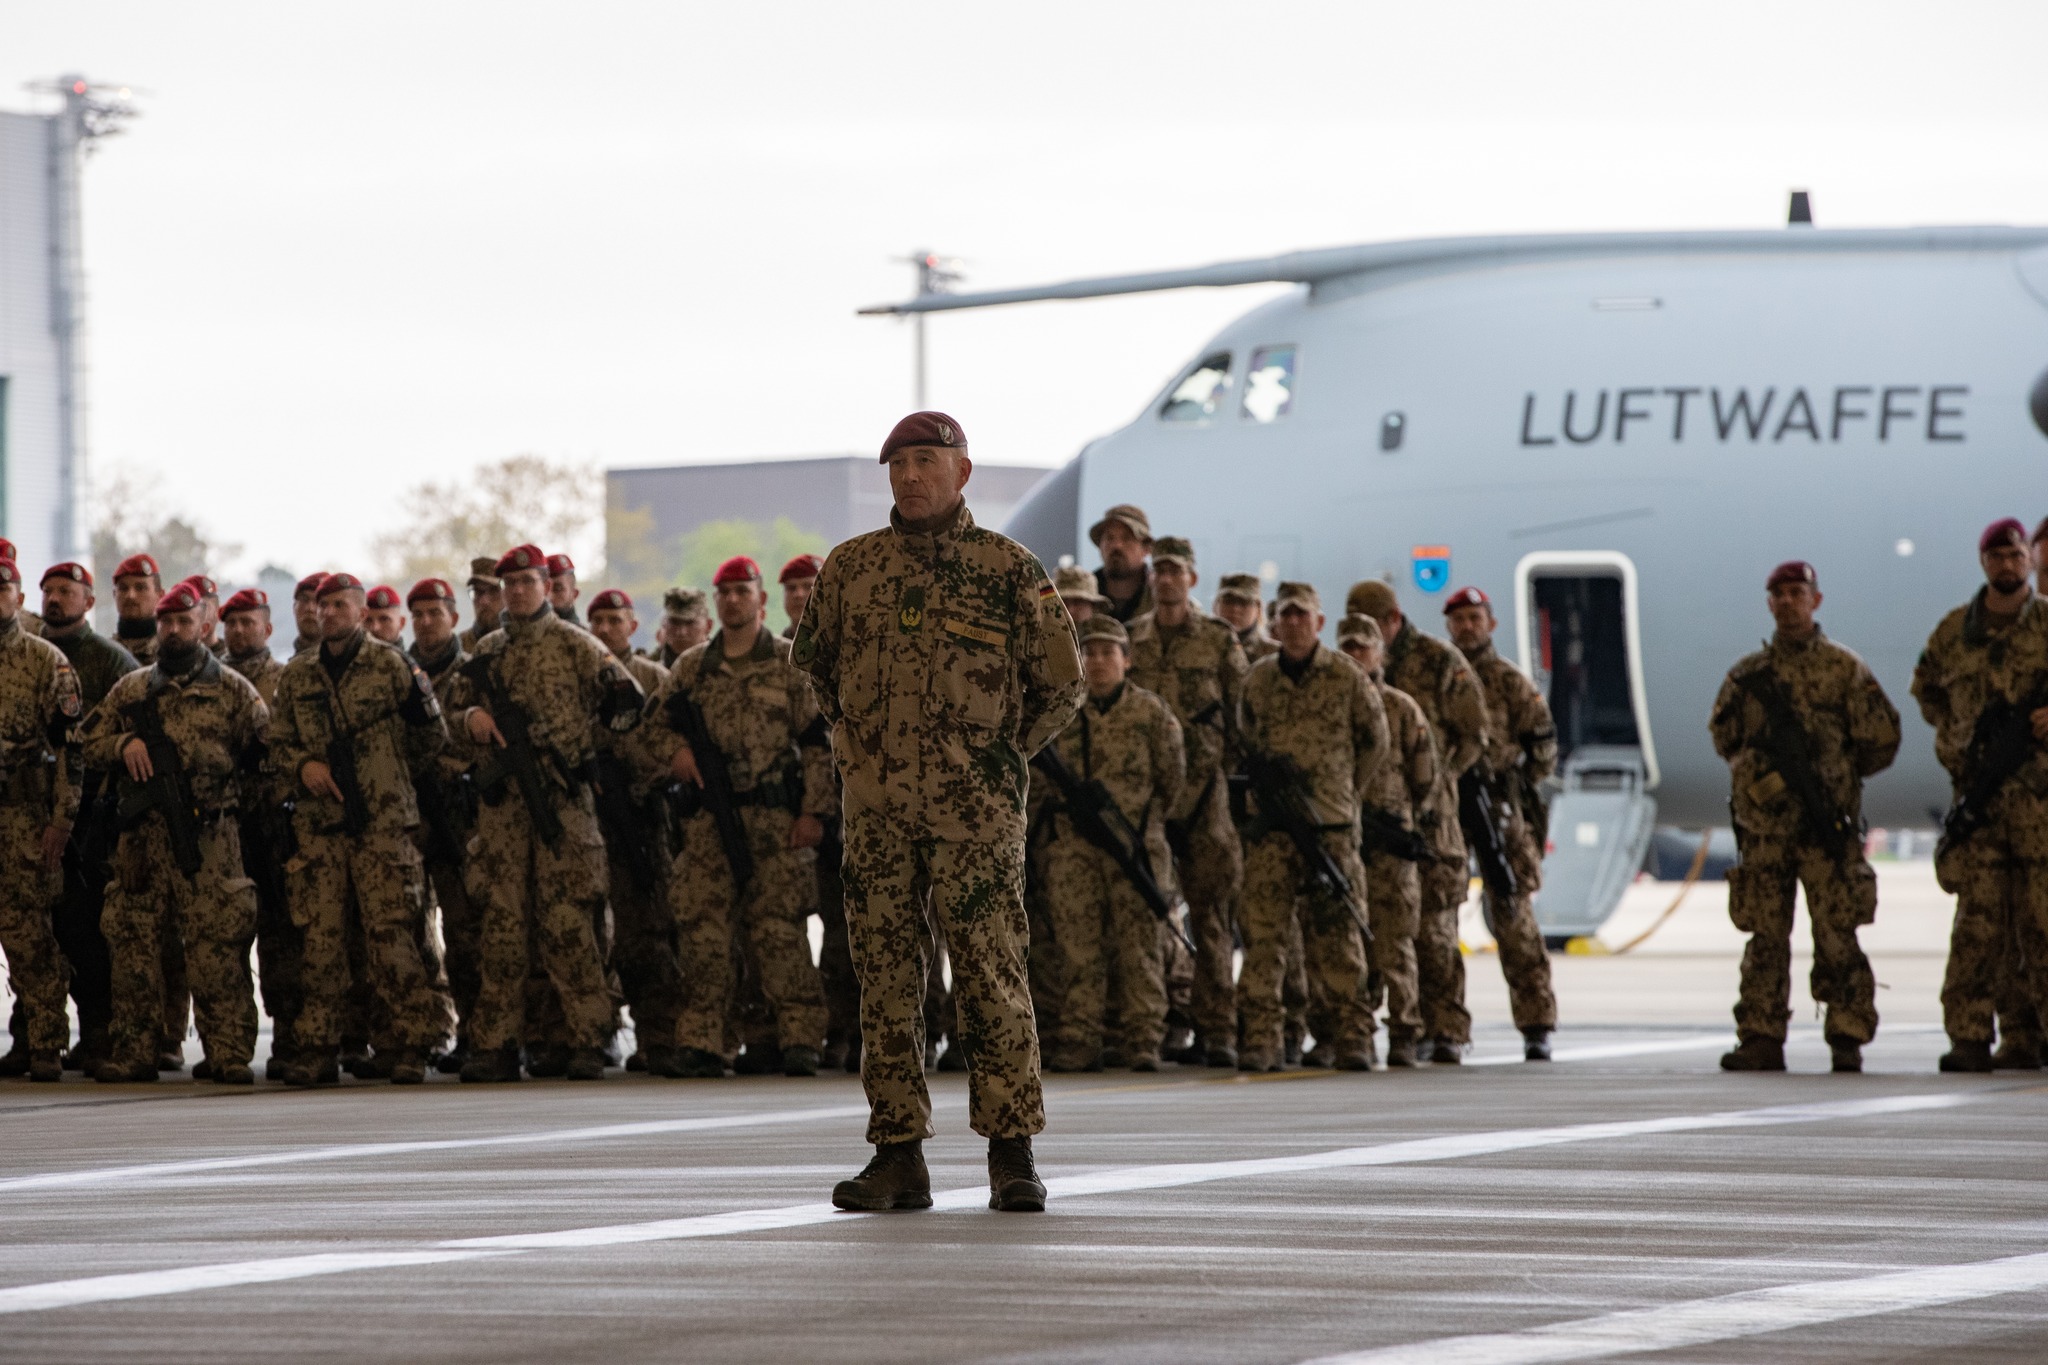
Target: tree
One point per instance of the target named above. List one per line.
(131, 508)
(519, 500)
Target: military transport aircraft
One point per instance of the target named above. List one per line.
(1616, 435)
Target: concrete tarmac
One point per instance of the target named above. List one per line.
(1626, 1201)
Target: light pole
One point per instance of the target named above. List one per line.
(935, 275)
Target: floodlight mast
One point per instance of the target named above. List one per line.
(935, 275)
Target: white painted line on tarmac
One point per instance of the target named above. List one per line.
(1604, 1050)
(1728, 1317)
(1118, 1180)
(351, 1151)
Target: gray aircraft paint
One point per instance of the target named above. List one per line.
(1936, 337)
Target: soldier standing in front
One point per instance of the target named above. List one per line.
(944, 660)
(1982, 683)
(1803, 724)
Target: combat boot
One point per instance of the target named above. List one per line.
(1847, 1052)
(450, 1063)
(1401, 1053)
(638, 1061)
(409, 1066)
(275, 1065)
(1146, 1061)
(1316, 1056)
(661, 1061)
(1357, 1059)
(1535, 1044)
(1967, 1055)
(202, 1070)
(1074, 1059)
(1220, 1055)
(954, 1058)
(586, 1064)
(1013, 1183)
(694, 1063)
(171, 1059)
(832, 1057)
(1444, 1052)
(2016, 1055)
(45, 1066)
(1754, 1052)
(492, 1064)
(799, 1061)
(234, 1073)
(895, 1179)
(305, 1073)
(1254, 1060)
(125, 1073)
(547, 1060)
(15, 1062)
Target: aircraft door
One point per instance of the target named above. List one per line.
(1580, 641)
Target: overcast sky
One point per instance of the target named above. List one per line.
(348, 248)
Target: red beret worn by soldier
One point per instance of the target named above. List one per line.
(1792, 571)
(338, 582)
(738, 569)
(521, 557)
(178, 597)
(77, 573)
(1466, 597)
(6, 548)
(203, 585)
(136, 566)
(611, 599)
(381, 598)
(310, 585)
(2004, 531)
(560, 566)
(924, 429)
(430, 590)
(10, 572)
(248, 599)
(803, 566)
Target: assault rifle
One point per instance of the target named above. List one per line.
(518, 760)
(716, 795)
(1096, 818)
(341, 765)
(2000, 746)
(1788, 749)
(1483, 817)
(168, 790)
(1380, 832)
(625, 824)
(1280, 788)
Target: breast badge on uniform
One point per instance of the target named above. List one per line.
(1431, 565)
(910, 611)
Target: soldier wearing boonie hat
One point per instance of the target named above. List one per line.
(1076, 588)
(1195, 663)
(685, 623)
(1124, 536)
(1240, 603)
(486, 601)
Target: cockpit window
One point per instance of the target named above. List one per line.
(1269, 384)
(1196, 398)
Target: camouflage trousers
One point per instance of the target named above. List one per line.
(644, 947)
(1394, 910)
(896, 886)
(1439, 966)
(1276, 891)
(1839, 900)
(1101, 928)
(1211, 875)
(462, 927)
(2019, 1018)
(215, 914)
(280, 968)
(2001, 925)
(835, 958)
(35, 967)
(540, 902)
(1524, 961)
(378, 876)
(1043, 957)
(770, 913)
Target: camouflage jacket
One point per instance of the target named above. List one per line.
(39, 715)
(1447, 690)
(943, 661)
(1198, 669)
(213, 716)
(142, 643)
(98, 661)
(30, 622)
(382, 706)
(1131, 744)
(261, 668)
(1127, 612)
(560, 675)
(762, 715)
(1519, 731)
(1852, 725)
(649, 677)
(1257, 644)
(1402, 788)
(1332, 724)
(1967, 666)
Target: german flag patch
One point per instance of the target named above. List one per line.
(1045, 590)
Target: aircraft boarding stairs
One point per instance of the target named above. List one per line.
(1601, 823)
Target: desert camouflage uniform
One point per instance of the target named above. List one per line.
(1854, 732)
(1333, 726)
(1127, 611)
(1131, 744)
(138, 638)
(643, 955)
(1521, 750)
(1439, 680)
(1199, 670)
(763, 717)
(383, 707)
(450, 878)
(39, 715)
(541, 898)
(216, 720)
(265, 836)
(943, 661)
(1401, 789)
(2000, 875)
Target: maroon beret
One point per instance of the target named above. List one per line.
(77, 573)
(179, 597)
(203, 585)
(339, 582)
(6, 548)
(611, 599)
(430, 590)
(924, 429)
(1792, 571)
(1466, 597)
(248, 599)
(381, 597)
(310, 585)
(522, 557)
(10, 572)
(2003, 531)
(738, 569)
(136, 566)
(559, 565)
(803, 566)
